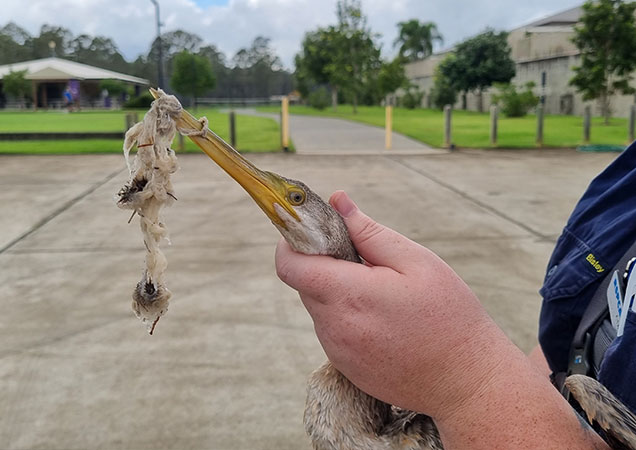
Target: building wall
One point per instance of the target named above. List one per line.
(421, 74)
(535, 50)
(534, 43)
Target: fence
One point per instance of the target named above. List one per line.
(540, 120)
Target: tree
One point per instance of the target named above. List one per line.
(391, 77)
(259, 74)
(416, 39)
(258, 71)
(13, 46)
(450, 79)
(262, 65)
(444, 92)
(192, 75)
(97, 51)
(606, 38)
(16, 85)
(172, 43)
(344, 56)
(314, 61)
(358, 58)
(220, 68)
(60, 36)
(478, 63)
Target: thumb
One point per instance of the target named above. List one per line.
(377, 244)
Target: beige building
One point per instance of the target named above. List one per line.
(544, 54)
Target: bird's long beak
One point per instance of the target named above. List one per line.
(266, 188)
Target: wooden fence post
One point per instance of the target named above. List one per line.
(540, 126)
(632, 119)
(284, 123)
(494, 118)
(388, 127)
(232, 116)
(447, 126)
(587, 123)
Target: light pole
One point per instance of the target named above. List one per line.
(160, 59)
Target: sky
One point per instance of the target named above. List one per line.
(233, 24)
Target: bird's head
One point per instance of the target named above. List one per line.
(309, 224)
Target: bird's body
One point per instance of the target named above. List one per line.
(601, 407)
(339, 416)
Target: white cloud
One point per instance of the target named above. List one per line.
(131, 23)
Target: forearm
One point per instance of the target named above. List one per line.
(537, 358)
(516, 407)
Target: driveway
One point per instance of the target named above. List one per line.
(313, 135)
(226, 368)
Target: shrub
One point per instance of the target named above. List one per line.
(412, 98)
(443, 92)
(515, 103)
(141, 102)
(16, 85)
(319, 98)
(114, 87)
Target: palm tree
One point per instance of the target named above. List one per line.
(416, 39)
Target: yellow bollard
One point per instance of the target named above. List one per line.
(388, 125)
(284, 123)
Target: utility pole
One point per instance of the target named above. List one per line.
(160, 59)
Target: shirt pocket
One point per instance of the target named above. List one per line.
(573, 266)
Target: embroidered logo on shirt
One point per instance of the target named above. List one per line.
(594, 262)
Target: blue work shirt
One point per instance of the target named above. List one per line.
(600, 230)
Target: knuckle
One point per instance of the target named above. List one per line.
(368, 231)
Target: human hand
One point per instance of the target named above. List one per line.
(404, 327)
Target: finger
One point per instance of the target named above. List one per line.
(377, 244)
(316, 276)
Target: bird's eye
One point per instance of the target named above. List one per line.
(296, 198)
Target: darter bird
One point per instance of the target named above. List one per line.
(338, 415)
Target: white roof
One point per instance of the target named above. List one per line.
(52, 69)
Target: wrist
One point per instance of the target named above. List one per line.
(510, 404)
(483, 360)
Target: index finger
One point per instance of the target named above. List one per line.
(316, 275)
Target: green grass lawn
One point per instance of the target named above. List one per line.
(472, 130)
(254, 134)
(62, 121)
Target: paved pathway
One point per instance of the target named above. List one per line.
(329, 136)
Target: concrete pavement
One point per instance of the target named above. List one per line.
(314, 135)
(325, 136)
(227, 366)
